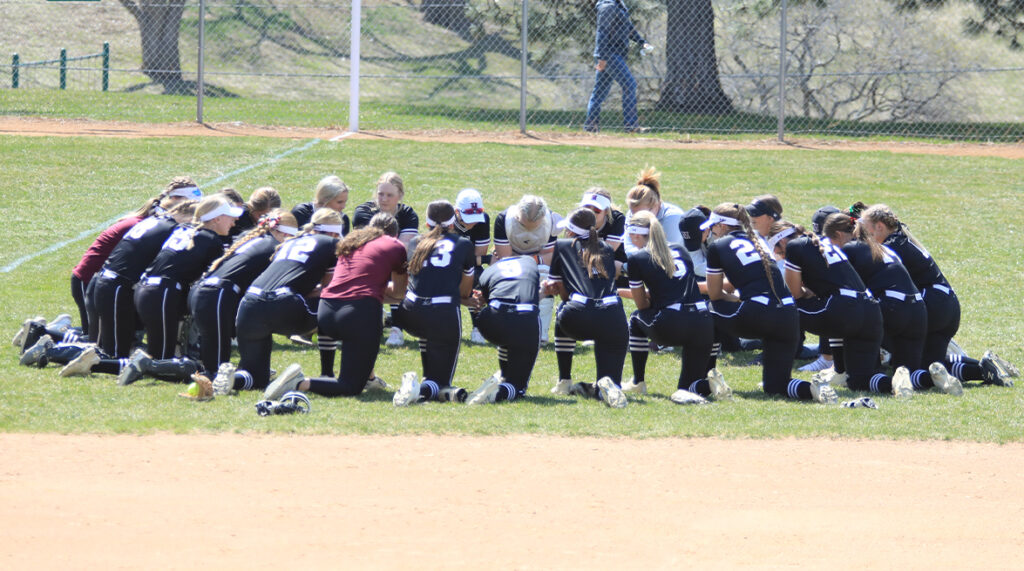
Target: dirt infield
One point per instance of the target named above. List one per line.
(85, 127)
(519, 502)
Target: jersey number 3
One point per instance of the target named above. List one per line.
(442, 254)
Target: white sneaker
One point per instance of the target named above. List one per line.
(487, 392)
(224, 382)
(375, 384)
(408, 392)
(823, 393)
(19, 337)
(477, 337)
(82, 364)
(819, 364)
(631, 386)
(396, 338)
(611, 394)
(830, 377)
(561, 387)
(902, 388)
(287, 381)
(683, 396)
(719, 389)
(301, 340)
(62, 320)
(944, 381)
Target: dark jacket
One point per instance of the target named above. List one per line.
(614, 30)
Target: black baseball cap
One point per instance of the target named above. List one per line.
(818, 220)
(759, 208)
(689, 226)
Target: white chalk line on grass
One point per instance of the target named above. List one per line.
(101, 227)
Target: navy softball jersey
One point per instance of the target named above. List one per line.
(276, 303)
(843, 312)
(593, 310)
(160, 297)
(763, 313)
(408, 220)
(509, 320)
(479, 234)
(678, 317)
(303, 213)
(214, 300)
(112, 293)
(430, 310)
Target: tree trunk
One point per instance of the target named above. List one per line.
(159, 25)
(691, 81)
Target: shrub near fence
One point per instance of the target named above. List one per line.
(838, 68)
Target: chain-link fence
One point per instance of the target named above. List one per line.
(845, 67)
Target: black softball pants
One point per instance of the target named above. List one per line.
(161, 304)
(943, 322)
(115, 308)
(357, 326)
(857, 320)
(778, 327)
(517, 336)
(214, 308)
(905, 324)
(80, 293)
(259, 317)
(439, 328)
(679, 325)
(605, 324)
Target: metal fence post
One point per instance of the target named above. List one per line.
(353, 81)
(524, 55)
(15, 73)
(106, 66)
(782, 74)
(200, 71)
(63, 68)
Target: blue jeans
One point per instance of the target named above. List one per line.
(616, 70)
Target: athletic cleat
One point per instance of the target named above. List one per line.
(19, 337)
(452, 394)
(719, 389)
(36, 354)
(562, 387)
(224, 382)
(302, 340)
(839, 380)
(487, 392)
(375, 384)
(133, 371)
(611, 394)
(830, 377)
(477, 337)
(992, 374)
(683, 396)
(631, 386)
(585, 390)
(409, 392)
(82, 364)
(60, 322)
(287, 381)
(1007, 368)
(902, 388)
(396, 338)
(953, 348)
(884, 357)
(819, 364)
(944, 381)
(824, 393)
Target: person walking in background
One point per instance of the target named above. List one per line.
(614, 32)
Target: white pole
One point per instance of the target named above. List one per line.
(200, 67)
(522, 75)
(353, 96)
(782, 74)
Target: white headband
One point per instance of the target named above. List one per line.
(334, 228)
(638, 230)
(224, 208)
(774, 240)
(187, 192)
(716, 218)
(577, 230)
(289, 230)
(448, 222)
(598, 200)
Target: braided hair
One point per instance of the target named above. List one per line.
(267, 223)
(739, 213)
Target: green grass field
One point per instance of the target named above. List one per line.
(964, 209)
